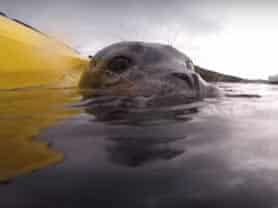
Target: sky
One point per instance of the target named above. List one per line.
(233, 37)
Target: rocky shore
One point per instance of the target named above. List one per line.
(212, 76)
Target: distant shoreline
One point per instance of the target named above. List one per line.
(212, 76)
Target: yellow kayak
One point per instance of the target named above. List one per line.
(23, 116)
(30, 58)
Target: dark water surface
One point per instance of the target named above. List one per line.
(216, 153)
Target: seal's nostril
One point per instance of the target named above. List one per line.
(184, 77)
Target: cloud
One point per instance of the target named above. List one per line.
(219, 35)
(92, 24)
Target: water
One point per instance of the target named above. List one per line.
(215, 153)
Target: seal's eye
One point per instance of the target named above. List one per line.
(119, 64)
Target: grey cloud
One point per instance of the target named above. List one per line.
(97, 23)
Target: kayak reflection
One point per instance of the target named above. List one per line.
(23, 114)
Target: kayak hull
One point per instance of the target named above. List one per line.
(29, 58)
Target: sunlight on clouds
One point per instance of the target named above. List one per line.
(247, 47)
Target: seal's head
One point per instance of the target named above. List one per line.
(143, 69)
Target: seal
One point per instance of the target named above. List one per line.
(144, 69)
